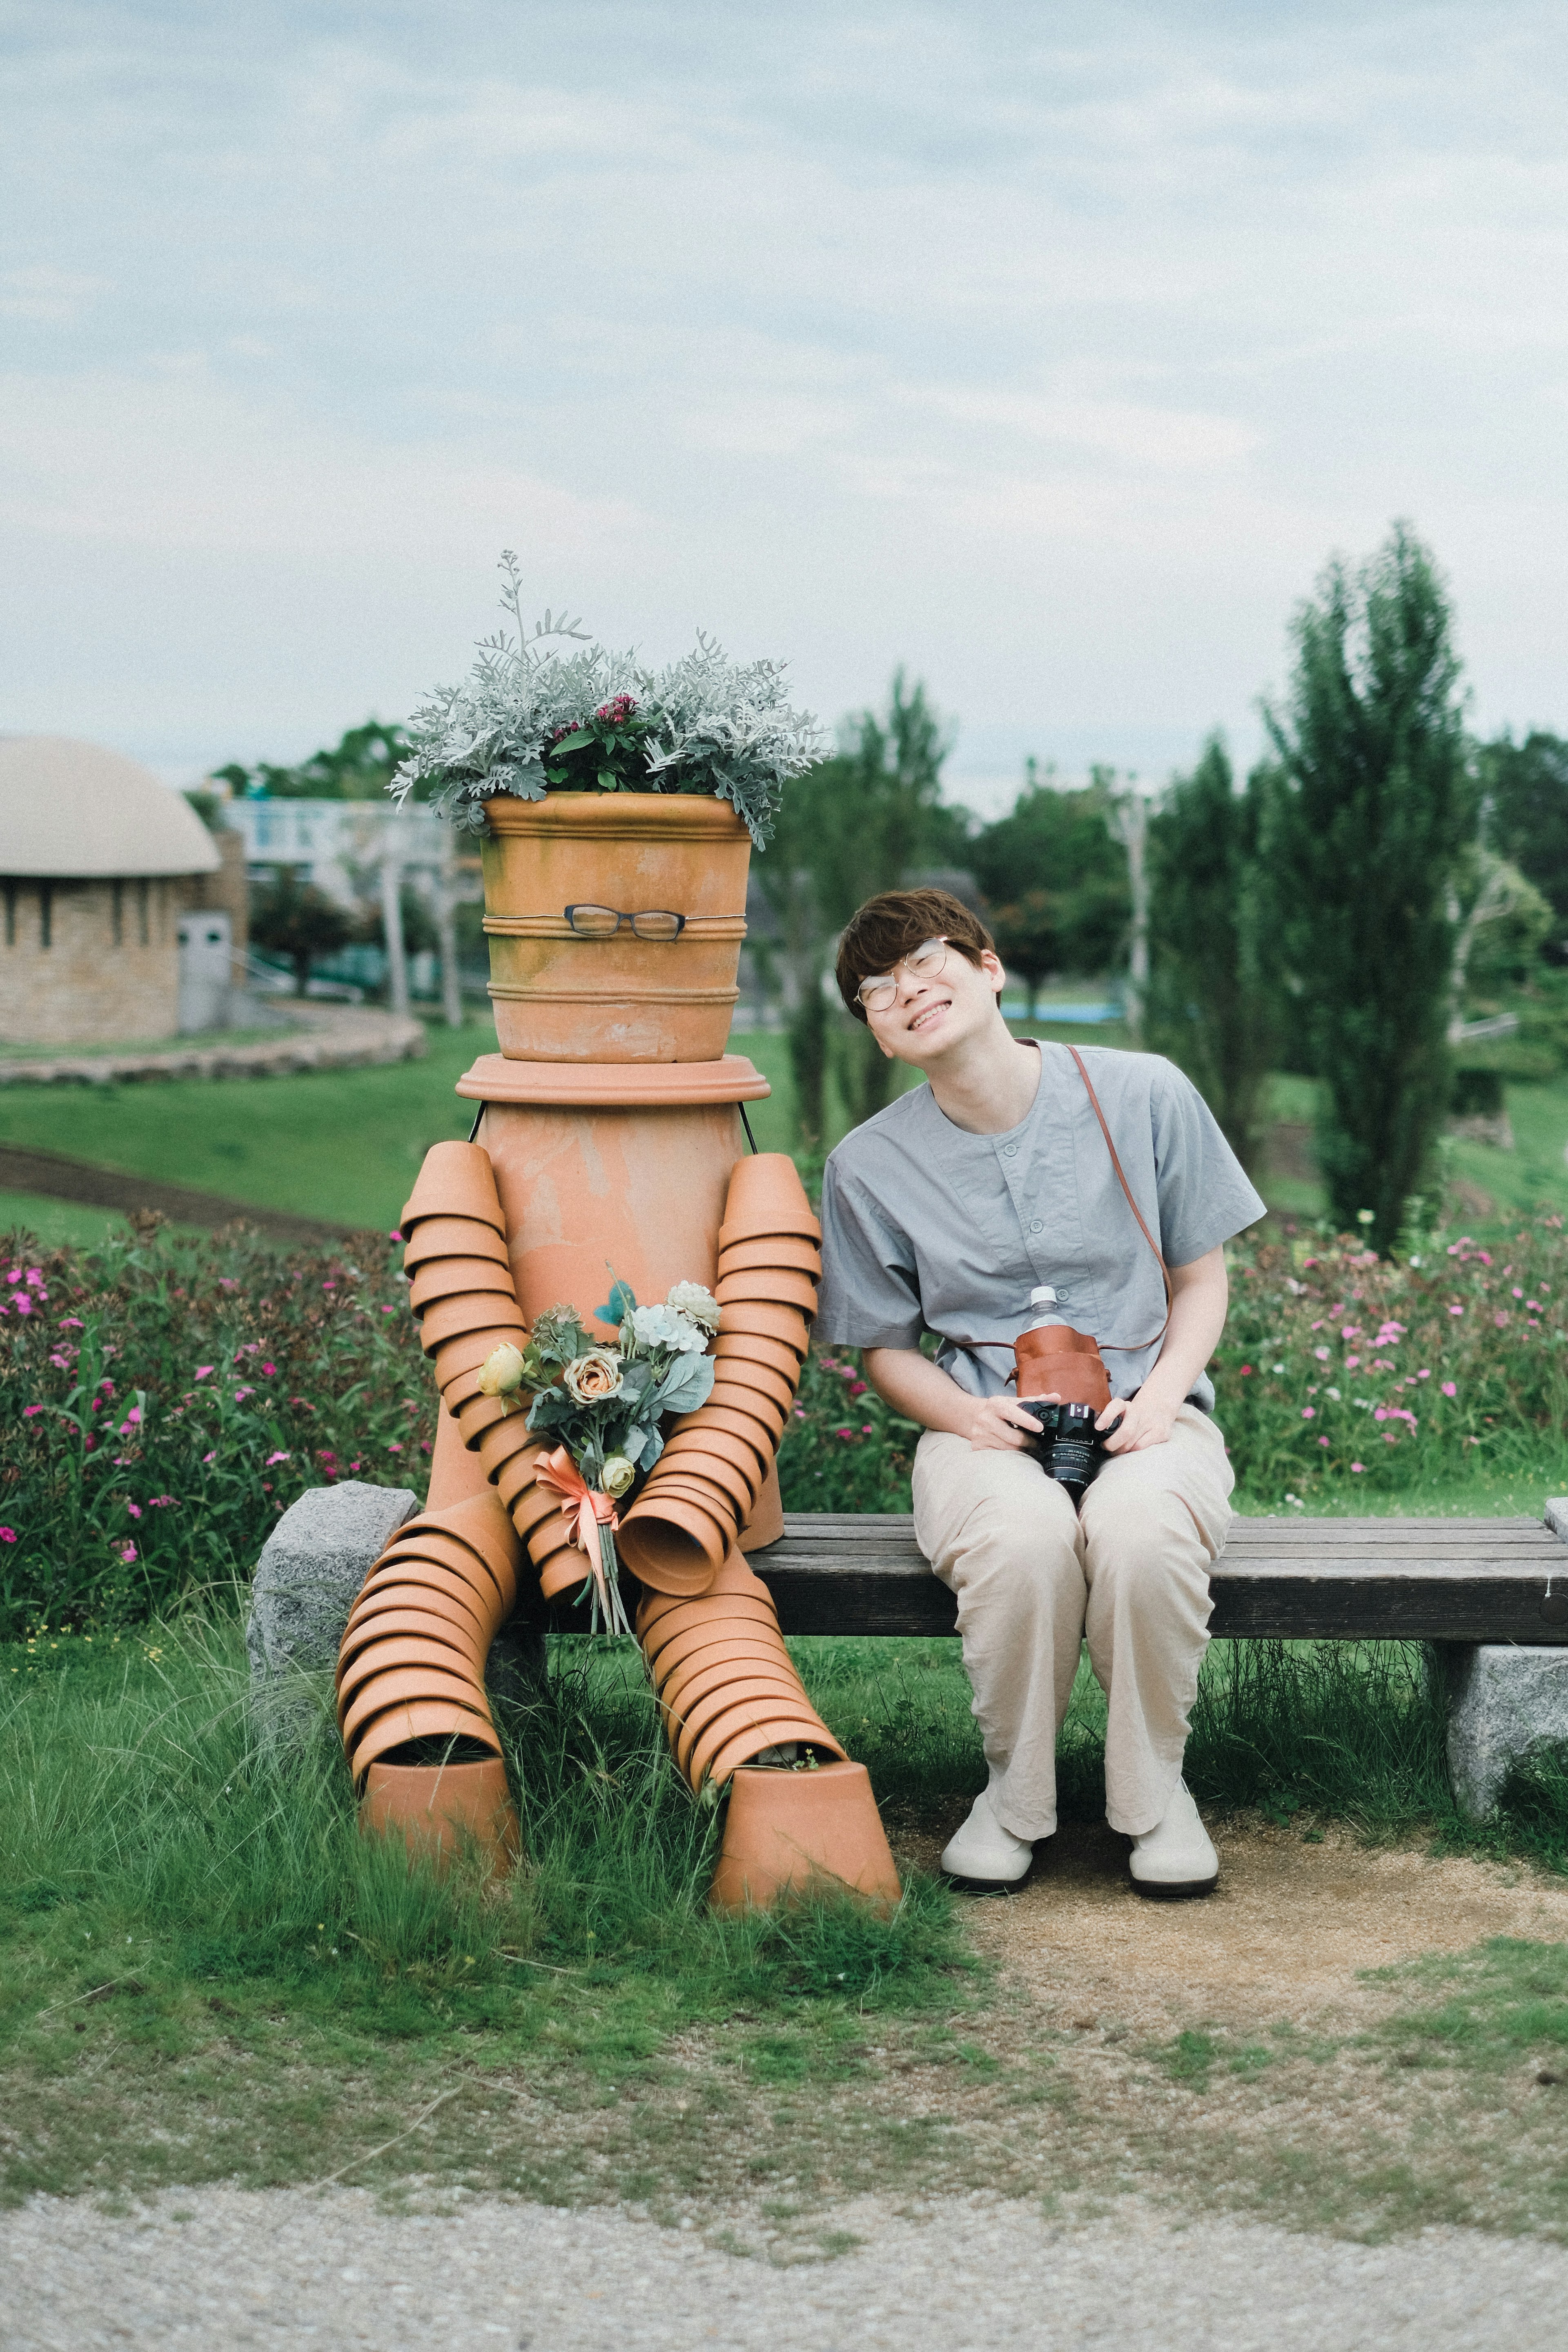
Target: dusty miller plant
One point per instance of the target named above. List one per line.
(533, 716)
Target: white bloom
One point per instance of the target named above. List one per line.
(617, 1476)
(665, 1326)
(690, 1299)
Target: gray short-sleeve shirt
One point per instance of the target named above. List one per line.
(926, 1227)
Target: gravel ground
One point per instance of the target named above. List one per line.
(226, 2270)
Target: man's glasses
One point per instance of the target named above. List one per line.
(604, 922)
(924, 962)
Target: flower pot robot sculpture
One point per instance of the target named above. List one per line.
(609, 1134)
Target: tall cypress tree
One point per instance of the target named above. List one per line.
(1212, 1000)
(1377, 809)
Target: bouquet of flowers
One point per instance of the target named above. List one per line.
(534, 717)
(604, 1403)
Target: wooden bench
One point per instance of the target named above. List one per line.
(1484, 1581)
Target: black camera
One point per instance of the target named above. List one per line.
(1068, 1448)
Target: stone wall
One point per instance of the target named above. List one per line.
(86, 963)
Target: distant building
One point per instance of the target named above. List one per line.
(99, 863)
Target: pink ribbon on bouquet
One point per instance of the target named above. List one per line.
(587, 1507)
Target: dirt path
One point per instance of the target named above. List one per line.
(1286, 1933)
(52, 1176)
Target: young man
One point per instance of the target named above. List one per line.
(942, 1215)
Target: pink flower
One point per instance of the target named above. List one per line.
(1450, 1388)
(21, 1302)
(272, 1458)
(225, 1282)
(394, 1235)
(270, 1369)
(29, 1410)
(1391, 1437)
(1358, 1467)
(1351, 1363)
(1351, 1332)
(1322, 1441)
(127, 1553)
(1455, 1310)
(1517, 1292)
(1500, 1319)
(204, 1371)
(209, 1457)
(1425, 1373)
(389, 1310)
(1309, 1412)
(72, 1323)
(131, 1420)
(1247, 1371)
(1533, 1304)
(1322, 1354)
(7, 1535)
(134, 1509)
(393, 1445)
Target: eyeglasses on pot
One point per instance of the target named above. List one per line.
(604, 922)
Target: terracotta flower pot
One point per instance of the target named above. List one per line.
(478, 1310)
(773, 1249)
(479, 1413)
(499, 1439)
(660, 1616)
(668, 1645)
(452, 1237)
(672, 1547)
(683, 1710)
(438, 1809)
(492, 1581)
(771, 1286)
(751, 1318)
(479, 1521)
(392, 1624)
(756, 1700)
(456, 1179)
(711, 1451)
(414, 1580)
(755, 1404)
(747, 1426)
(771, 1386)
(562, 998)
(737, 1349)
(791, 1833)
(454, 1359)
(416, 1651)
(456, 1277)
(414, 1720)
(748, 1729)
(704, 1664)
(767, 1195)
(409, 1686)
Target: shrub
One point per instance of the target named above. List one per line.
(1341, 1371)
(161, 1402)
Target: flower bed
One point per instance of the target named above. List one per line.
(160, 1404)
(1343, 1370)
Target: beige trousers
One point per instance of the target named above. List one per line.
(1033, 1578)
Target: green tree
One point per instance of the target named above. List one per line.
(298, 921)
(1526, 798)
(1055, 882)
(1212, 998)
(1377, 811)
(863, 821)
(358, 767)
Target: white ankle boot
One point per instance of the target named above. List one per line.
(982, 1852)
(1178, 1856)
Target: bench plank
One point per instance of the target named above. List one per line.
(1291, 1579)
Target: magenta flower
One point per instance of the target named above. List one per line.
(205, 1371)
(21, 1302)
(209, 1457)
(1322, 1441)
(134, 1509)
(127, 1553)
(1450, 1388)
(29, 1410)
(270, 1369)
(7, 1535)
(272, 1458)
(1309, 1412)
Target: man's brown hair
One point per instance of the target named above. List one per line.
(888, 928)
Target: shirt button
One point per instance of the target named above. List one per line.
(1009, 1149)
(1037, 1224)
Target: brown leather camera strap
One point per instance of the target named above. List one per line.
(1117, 1348)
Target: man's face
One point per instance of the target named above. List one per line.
(930, 1019)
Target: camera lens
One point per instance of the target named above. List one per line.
(1068, 1448)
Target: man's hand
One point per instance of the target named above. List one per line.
(1146, 1420)
(1000, 1426)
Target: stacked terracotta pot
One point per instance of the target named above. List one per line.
(464, 1298)
(684, 1524)
(412, 1663)
(727, 1689)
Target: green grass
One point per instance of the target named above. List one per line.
(185, 1042)
(59, 1224)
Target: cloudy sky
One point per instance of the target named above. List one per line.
(1046, 349)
